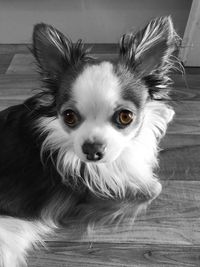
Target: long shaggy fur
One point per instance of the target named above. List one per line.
(111, 179)
(43, 181)
(17, 237)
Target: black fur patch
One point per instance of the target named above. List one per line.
(132, 89)
(26, 185)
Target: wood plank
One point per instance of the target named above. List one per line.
(173, 218)
(187, 110)
(22, 64)
(180, 164)
(182, 126)
(186, 87)
(106, 255)
(180, 158)
(176, 141)
(183, 80)
(180, 93)
(5, 61)
(186, 120)
(15, 83)
(167, 235)
(192, 70)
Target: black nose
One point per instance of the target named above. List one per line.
(93, 151)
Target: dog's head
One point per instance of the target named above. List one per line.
(100, 104)
(96, 110)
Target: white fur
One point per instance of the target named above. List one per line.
(16, 237)
(134, 166)
(130, 158)
(97, 86)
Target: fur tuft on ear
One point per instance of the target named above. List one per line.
(54, 51)
(149, 54)
(55, 55)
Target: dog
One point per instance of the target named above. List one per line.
(87, 143)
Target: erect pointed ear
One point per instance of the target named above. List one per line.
(53, 51)
(148, 52)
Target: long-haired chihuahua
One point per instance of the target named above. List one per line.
(86, 144)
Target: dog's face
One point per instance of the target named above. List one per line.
(100, 115)
(100, 105)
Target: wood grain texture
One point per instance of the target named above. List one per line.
(180, 157)
(186, 80)
(22, 64)
(167, 235)
(183, 93)
(118, 254)
(173, 218)
(5, 60)
(11, 83)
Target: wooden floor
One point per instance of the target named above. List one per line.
(169, 233)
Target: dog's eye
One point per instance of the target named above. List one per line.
(125, 117)
(122, 118)
(70, 117)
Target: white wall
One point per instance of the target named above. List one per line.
(96, 21)
(190, 52)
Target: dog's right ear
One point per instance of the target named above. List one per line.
(55, 52)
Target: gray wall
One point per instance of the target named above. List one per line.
(95, 21)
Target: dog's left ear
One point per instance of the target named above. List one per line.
(148, 53)
(54, 51)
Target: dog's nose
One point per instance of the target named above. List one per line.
(94, 151)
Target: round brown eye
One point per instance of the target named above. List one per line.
(70, 117)
(125, 117)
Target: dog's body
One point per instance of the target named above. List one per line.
(86, 144)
